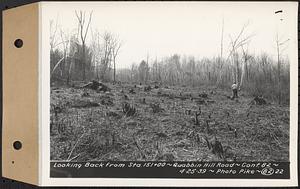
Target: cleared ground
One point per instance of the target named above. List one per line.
(87, 125)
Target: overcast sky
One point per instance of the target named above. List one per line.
(187, 28)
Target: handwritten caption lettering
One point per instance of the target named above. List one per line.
(188, 168)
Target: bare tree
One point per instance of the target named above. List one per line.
(73, 48)
(221, 55)
(107, 53)
(96, 52)
(222, 36)
(53, 31)
(64, 43)
(143, 70)
(236, 43)
(110, 48)
(83, 30)
(279, 44)
(246, 57)
(116, 45)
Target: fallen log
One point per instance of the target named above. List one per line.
(258, 100)
(84, 104)
(203, 95)
(95, 85)
(147, 88)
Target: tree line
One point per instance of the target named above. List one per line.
(72, 60)
(258, 76)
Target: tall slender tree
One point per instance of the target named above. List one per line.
(83, 28)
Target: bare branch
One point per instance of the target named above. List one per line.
(87, 28)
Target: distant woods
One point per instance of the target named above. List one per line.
(258, 76)
(73, 59)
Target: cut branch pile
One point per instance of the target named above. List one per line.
(84, 104)
(156, 108)
(97, 86)
(128, 110)
(147, 88)
(259, 100)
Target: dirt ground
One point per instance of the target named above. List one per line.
(87, 125)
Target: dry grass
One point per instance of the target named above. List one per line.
(86, 125)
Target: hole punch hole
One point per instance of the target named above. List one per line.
(17, 145)
(18, 43)
(13, 162)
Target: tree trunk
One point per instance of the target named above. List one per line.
(83, 61)
(278, 74)
(114, 70)
(69, 73)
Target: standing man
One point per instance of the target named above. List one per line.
(234, 88)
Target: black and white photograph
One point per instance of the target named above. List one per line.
(171, 81)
